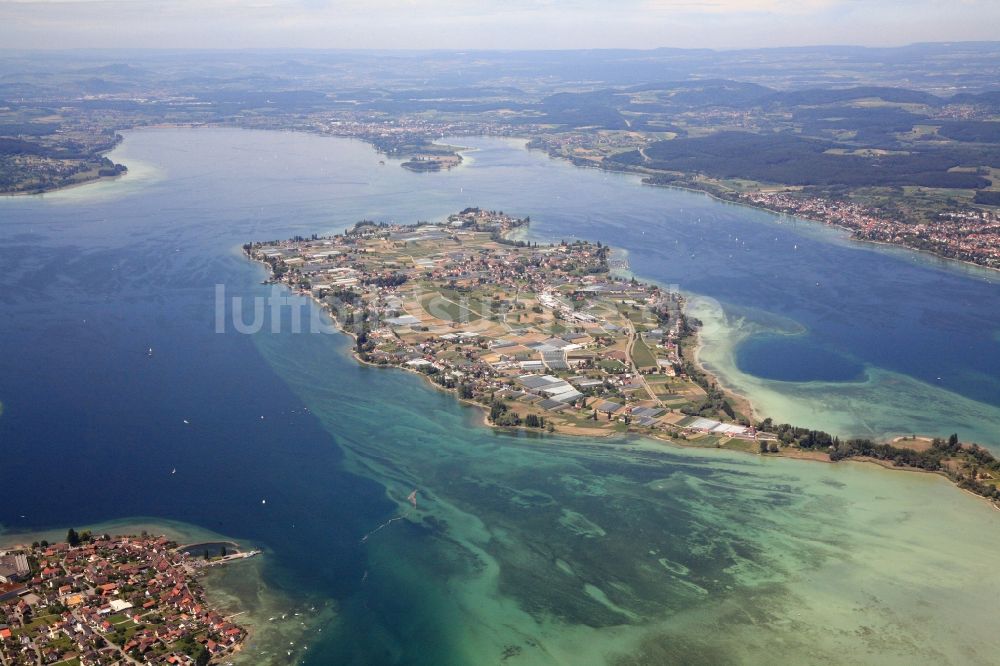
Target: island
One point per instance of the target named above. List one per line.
(543, 337)
(442, 158)
(98, 599)
(556, 338)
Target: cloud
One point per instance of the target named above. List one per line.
(744, 6)
(488, 23)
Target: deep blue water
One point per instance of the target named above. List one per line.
(792, 359)
(92, 426)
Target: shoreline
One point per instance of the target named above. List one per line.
(637, 171)
(767, 444)
(850, 233)
(220, 594)
(268, 614)
(559, 429)
(660, 438)
(64, 188)
(170, 528)
(696, 347)
(743, 401)
(90, 181)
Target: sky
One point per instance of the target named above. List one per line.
(490, 24)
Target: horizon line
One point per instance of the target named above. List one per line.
(308, 49)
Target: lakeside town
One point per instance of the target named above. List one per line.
(967, 235)
(103, 600)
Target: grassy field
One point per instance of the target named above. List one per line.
(447, 309)
(642, 354)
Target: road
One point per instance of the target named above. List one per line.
(632, 335)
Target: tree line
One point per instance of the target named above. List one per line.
(974, 471)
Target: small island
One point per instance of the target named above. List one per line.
(98, 599)
(434, 162)
(552, 338)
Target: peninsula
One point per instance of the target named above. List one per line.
(98, 599)
(552, 338)
(44, 160)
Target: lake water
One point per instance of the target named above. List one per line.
(522, 549)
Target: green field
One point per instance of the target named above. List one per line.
(642, 354)
(611, 365)
(449, 309)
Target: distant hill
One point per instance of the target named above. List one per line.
(983, 131)
(794, 160)
(817, 96)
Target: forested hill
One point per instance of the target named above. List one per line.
(794, 160)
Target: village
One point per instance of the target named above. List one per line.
(967, 235)
(543, 337)
(112, 600)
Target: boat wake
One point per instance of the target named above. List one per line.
(412, 499)
(383, 526)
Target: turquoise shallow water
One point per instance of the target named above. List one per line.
(522, 550)
(556, 551)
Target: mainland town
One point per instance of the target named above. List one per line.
(966, 235)
(102, 600)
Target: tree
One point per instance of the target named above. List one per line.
(72, 538)
(534, 421)
(496, 410)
